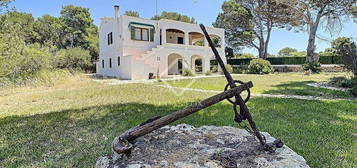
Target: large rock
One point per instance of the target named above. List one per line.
(184, 146)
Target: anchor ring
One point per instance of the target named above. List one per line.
(240, 82)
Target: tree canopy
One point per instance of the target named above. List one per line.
(287, 52)
(174, 16)
(317, 13)
(248, 23)
(132, 13)
(353, 12)
(28, 45)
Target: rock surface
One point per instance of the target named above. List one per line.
(184, 146)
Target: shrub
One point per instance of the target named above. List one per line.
(214, 68)
(240, 69)
(260, 66)
(208, 73)
(353, 91)
(187, 72)
(314, 67)
(348, 50)
(35, 59)
(74, 58)
(229, 68)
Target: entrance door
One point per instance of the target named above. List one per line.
(179, 40)
(179, 66)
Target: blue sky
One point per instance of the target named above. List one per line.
(204, 11)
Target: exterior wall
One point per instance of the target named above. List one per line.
(140, 58)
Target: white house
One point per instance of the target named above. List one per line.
(135, 48)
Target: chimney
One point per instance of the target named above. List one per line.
(117, 11)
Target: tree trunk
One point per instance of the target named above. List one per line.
(266, 43)
(311, 56)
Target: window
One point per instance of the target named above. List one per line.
(142, 34)
(102, 63)
(118, 61)
(110, 63)
(110, 38)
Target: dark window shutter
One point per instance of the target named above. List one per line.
(152, 33)
(132, 32)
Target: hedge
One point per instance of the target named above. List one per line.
(287, 60)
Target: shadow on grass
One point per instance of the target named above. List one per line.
(301, 88)
(321, 131)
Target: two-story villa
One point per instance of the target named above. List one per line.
(135, 48)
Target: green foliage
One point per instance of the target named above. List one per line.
(74, 58)
(353, 91)
(229, 68)
(174, 16)
(246, 24)
(35, 58)
(27, 45)
(76, 21)
(132, 13)
(214, 68)
(260, 66)
(23, 21)
(287, 52)
(244, 55)
(12, 46)
(4, 5)
(348, 50)
(187, 72)
(343, 82)
(315, 67)
(353, 12)
(49, 30)
(331, 52)
(198, 43)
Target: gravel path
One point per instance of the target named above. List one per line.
(326, 86)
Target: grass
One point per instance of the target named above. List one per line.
(282, 83)
(72, 124)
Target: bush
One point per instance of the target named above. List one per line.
(74, 58)
(214, 68)
(229, 68)
(240, 69)
(260, 66)
(348, 50)
(353, 91)
(35, 59)
(208, 73)
(314, 67)
(187, 72)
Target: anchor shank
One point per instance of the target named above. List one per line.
(141, 130)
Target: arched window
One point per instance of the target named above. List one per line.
(110, 63)
(102, 63)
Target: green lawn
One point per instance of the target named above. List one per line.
(71, 125)
(282, 83)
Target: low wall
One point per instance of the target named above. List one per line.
(298, 68)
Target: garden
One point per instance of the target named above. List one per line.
(73, 121)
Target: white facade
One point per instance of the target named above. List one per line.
(134, 48)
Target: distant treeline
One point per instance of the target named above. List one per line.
(29, 45)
